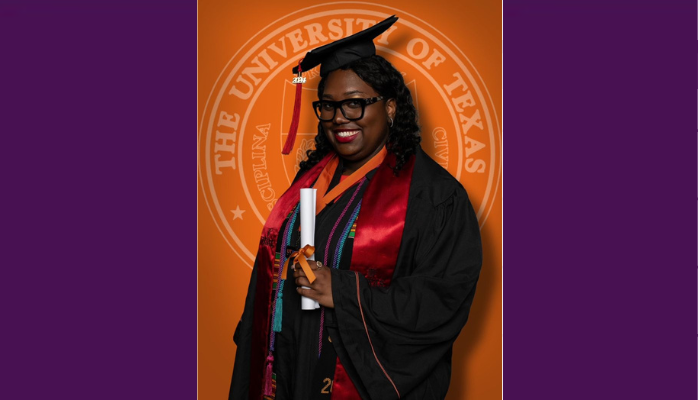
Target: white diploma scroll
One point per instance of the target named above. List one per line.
(307, 216)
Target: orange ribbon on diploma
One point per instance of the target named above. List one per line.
(300, 257)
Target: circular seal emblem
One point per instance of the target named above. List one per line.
(249, 110)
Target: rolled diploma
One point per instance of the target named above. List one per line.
(307, 215)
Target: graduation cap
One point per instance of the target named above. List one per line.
(331, 57)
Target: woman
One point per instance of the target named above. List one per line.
(397, 244)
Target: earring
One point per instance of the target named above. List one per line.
(391, 123)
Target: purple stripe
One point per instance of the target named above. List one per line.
(320, 331)
(325, 255)
(344, 237)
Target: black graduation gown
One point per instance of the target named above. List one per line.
(412, 324)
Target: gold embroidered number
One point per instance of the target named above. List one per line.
(329, 386)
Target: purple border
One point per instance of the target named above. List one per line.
(99, 122)
(600, 157)
(99, 223)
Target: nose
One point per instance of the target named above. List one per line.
(339, 118)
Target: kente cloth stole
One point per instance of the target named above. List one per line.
(380, 228)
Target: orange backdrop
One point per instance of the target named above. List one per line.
(450, 55)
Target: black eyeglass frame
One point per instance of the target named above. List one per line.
(339, 105)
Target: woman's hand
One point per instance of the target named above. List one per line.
(320, 290)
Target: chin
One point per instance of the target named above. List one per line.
(348, 154)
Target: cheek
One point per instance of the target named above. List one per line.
(326, 129)
(378, 128)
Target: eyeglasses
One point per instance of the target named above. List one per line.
(352, 109)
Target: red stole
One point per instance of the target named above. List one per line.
(375, 249)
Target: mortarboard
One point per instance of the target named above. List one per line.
(331, 57)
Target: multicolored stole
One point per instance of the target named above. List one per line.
(376, 247)
(263, 287)
(377, 241)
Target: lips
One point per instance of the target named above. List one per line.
(346, 135)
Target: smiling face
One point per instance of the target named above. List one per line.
(356, 141)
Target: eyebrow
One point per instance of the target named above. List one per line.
(327, 96)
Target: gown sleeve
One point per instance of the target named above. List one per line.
(395, 338)
(242, 337)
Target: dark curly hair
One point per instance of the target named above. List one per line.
(404, 135)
